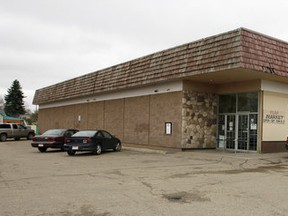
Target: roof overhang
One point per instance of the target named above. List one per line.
(235, 75)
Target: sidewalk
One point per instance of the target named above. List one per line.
(215, 154)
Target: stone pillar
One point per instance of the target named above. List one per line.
(199, 120)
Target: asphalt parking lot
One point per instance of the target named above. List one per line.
(141, 182)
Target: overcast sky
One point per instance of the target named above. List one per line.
(43, 42)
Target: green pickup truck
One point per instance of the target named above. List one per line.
(15, 131)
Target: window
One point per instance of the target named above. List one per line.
(248, 102)
(69, 133)
(106, 134)
(227, 103)
(57, 132)
(21, 127)
(84, 134)
(242, 102)
(99, 134)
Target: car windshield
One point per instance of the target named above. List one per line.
(54, 132)
(84, 134)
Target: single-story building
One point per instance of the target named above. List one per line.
(228, 91)
(9, 119)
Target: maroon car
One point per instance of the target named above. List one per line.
(53, 138)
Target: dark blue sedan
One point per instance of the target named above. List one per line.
(95, 141)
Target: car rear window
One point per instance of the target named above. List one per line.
(54, 132)
(84, 134)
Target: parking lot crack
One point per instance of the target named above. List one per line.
(150, 187)
(4, 181)
(186, 197)
(241, 165)
(147, 185)
(116, 172)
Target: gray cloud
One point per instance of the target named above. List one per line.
(49, 41)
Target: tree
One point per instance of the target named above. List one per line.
(14, 104)
(1, 104)
(32, 117)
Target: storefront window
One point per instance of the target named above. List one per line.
(238, 121)
(244, 102)
(248, 102)
(227, 103)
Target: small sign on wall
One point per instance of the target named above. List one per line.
(274, 117)
(168, 128)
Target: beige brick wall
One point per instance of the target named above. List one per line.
(91, 117)
(95, 114)
(136, 127)
(80, 116)
(137, 120)
(67, 117)
(165, 108)
(113, 117)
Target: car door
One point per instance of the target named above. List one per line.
(16, 130)
(100, 139)
(108, 139)
(22, 131)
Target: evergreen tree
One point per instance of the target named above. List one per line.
(14, 104)
(1, 104)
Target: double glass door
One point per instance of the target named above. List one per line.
(237, 132)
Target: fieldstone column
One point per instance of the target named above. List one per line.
(199, 120)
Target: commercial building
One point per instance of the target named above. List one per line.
(8, 119)
(228, 91)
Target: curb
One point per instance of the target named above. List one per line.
(145, 150)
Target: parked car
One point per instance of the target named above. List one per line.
(16, 131)
(53, 138)
(95, 141)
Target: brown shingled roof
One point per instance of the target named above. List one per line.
(240, 48)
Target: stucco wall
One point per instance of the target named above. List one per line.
(275, 115)
(135, 120)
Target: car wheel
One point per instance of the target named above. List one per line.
(71, 152)
(98, 150)
(30, 136)
(42, 149)
(118, 147)
(3, 137)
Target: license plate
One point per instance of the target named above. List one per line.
(40, 145)
(74, 147)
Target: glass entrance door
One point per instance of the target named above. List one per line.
(237, 132)
(230, 131)
(243, 132)
(238, 121)
(253, 131)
